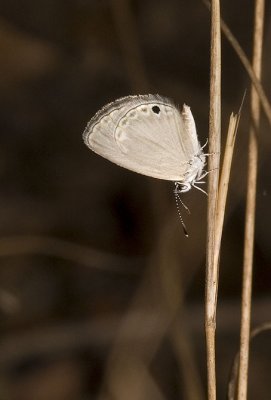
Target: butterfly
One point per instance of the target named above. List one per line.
(149, 135)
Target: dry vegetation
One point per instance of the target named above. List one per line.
(101, 295)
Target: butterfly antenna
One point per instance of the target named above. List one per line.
(182, 203)
(178, 200)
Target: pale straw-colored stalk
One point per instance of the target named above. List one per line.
(251, 205)
(224, 182)
(211, 284)
(232, 386)
(266, 106)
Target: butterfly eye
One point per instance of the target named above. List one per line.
(156, 109)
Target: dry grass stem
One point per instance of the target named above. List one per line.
(224, 182)
(247, 65)
(266, 326)
(214, 150)
(251, 205)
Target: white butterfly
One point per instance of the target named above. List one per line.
(149, 135)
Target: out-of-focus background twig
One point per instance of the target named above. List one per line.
(101, 294)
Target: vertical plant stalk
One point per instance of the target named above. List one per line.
(211, 283)
(250, 71)
(251, 205)
(224, 182)
(247, 65)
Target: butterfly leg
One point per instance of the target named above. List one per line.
(204, 173)
(200, 189)
(205, 144)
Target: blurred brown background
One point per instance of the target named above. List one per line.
(101, 295)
